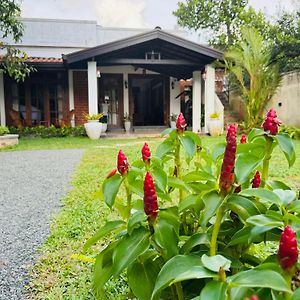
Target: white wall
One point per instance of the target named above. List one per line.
(174, 103)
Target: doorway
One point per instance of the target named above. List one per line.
(147, 100)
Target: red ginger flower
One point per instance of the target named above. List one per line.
(256, 180)
(111, 173)
(254, 297)
(180, 123)
(150, 197)
(271, 122)
(122, 162)
(146, 152)
(243, 139)
(288, 250)
(227, 171)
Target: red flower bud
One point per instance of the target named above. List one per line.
(227, 170)
(254, 297)
(271, 122)
(288, 250)
(146, 152)
(243, 139)
(111, 173)
(150, 197)
(256, 180)
(238, 189)
(122, 163)
(180, 123)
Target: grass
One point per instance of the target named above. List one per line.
(59, 276)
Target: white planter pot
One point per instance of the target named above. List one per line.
(214, 127)
(104, 127)
(173, 124)
(127, 125)
(93, 129)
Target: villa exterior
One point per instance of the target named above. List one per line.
(87, 68)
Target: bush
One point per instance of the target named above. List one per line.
(47, 132)
(3, 130)
(293, 132)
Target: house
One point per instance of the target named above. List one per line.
(87, 68)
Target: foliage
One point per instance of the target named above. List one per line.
(293, 132)
(93, 117)
(3, 130)
(46, 132)
(199, 244)
(215, 115)
(13, 62)
(173, 117)
(258, 78)
(223, 18)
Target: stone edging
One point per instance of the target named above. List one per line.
(9, 140)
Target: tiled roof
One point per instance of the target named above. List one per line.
(34, 59)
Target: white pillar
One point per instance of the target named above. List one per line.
(92, 87)
(174, 91)
(71, 95)
(209, 97)
(2, 101)
(197, 101)
(126, 93)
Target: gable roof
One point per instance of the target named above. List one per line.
(179, 57)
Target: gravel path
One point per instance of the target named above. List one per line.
(31, 186)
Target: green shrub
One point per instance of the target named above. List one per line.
(293, 132)
(3, 130)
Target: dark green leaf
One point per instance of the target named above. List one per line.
(214, 263)
(276, 184)
(165, 147)
(160, 178)
(170, 215)
(287, 147)
(191, 202)
(188, 145)
(244, 166)
(110, 189)
(135, 220)
(193, 241)
(262, 194)
(263, 220)
(129, 249)
(107, 228)
(241, 237)
(178, 183)
(198, 176)
(296, 295)
(254, 133)
(137, 187)
(180, 268)
(214, 290)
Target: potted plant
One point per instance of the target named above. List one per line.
(7, 139)
(93, 126)
(214, 124)
(173, 119)
(127, 122)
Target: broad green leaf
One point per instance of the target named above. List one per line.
(218, 150)
(107, 228)
(296, 295)
(180, 268)
(160, 178)
(242, 206)
(276, 184)
(110, 189)
(167, 131)
(254, 133)
(198, 176)
(276, 295)
(178, 183)
(244, 166)
(212, 201)
(192, 201)
(188, 145)
(214, 290)
(142, 277)
(165, 147)
(294, 206)
(286, 196)
(199, 187)
(265, 221)
(135, 220)
(166, 238)
(137, 187)
(241, 237)
(260, 278)
(129, 249)
(194, 136)
(193, 241)
(263, 194)
(170, 215)
(214, 263)
(287, 147)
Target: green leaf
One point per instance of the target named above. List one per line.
(178, 183)
(110, 189)
(165, 147)
(180, 268)
(107, 228)
(194, 136)
(198, 176)
(296, 295)
(287, 147)
(170, 215)
(242, 206)
(244, 166)
(218, 150)
(167, 131)
(193, 241)
(241, 237)
(260, 278)
(137, 187)
(192, 201)
(276, 184)
(214, 263)
(254, 133)
(135, 220)
(188, 145)
(262, 194)
(160, 178)
(142, 276)
(212, 201)
(129, 249)
(214, 290)
(286, 196)
(265, 221)
(166, 238)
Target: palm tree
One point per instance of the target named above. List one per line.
(249, 61)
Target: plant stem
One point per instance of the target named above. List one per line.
(266, 161)
(179, 291)
(178, 165)
(128, 197)
(216, 229)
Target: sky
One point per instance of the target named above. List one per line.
(126, 13)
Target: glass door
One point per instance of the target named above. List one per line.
(111, 98)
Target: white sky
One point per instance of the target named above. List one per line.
(126, 13)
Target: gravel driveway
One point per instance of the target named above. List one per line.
(31, 186)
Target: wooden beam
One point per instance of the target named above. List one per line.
(135, 61)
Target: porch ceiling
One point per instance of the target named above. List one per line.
(178, 57)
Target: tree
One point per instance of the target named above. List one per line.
(13, 62)
(258, 78)
(223, 17)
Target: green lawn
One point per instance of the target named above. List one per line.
(58, 275)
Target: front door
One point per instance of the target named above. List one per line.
(111, 98)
